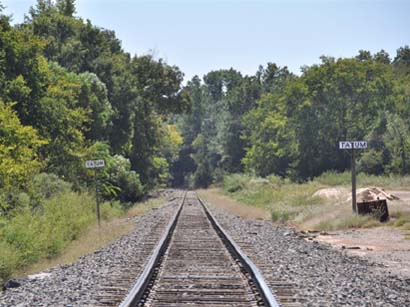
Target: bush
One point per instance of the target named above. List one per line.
(371, 162)
(281, 214)
(9, 259)
(333, 178)
(13, 199)
(235, 182)
(48, 185)
(131, 186)
(27, 236)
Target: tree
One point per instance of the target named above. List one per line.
(382, 57)
(397, 140)
(402, 60)
(66, 7)
(19, 145)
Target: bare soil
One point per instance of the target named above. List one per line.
(387, 246)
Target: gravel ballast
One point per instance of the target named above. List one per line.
(322, 275)
(79, 284)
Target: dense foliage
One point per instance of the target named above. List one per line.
(69, 93)
(277, 123)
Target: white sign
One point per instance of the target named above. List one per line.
(353, 145)
(94, 163)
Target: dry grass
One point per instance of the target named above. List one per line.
(143, 207)
(94, 238)
(217, 199)
(295, 205)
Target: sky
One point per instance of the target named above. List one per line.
(199, 35)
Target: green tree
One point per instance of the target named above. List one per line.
(19, 145)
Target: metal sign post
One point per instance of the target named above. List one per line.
(352, 145)
(95, 164)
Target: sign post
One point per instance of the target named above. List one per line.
(353, 166)
(352, 145)
(95, 164)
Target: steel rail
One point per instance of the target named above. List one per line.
(264, 290)
(137, 292)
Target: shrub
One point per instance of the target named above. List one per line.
(48, 185)
(131, 186)
(281, 215)
(333, 178)
(9, 259)
(28, 235)
(235, 182)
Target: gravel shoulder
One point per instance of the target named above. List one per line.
(324, 275)
(80, 283)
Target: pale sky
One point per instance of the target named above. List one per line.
(200, 35)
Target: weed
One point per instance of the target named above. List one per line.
(27, 235)
(235, 182)
(349, 221)
(293, 202)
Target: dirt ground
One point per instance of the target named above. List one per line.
(384, 245)
(387, 246)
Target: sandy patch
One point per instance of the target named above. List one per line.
(337, 193)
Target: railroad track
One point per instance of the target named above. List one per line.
(196, 263)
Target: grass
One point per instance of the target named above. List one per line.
(214, 197)
(295, 204)
(332, 178)
(348, 221)
(60, 228)
(143, 207)
(284, 200)
(31, 234)
(94, 237)
(401, 219)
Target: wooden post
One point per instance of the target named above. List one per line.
(96, 197)
(353, 166)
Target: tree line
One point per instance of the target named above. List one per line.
(69, 92)
(278, 123)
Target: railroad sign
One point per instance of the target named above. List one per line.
(94, 163)
(353, 145)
